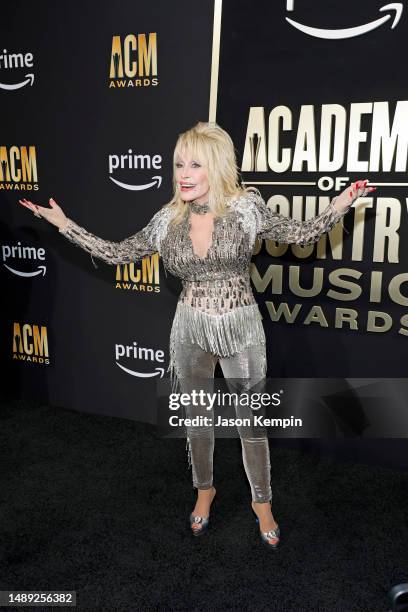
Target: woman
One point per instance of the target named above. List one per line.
(205, 235)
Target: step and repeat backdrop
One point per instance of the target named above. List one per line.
(93, 97)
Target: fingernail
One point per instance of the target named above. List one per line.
(351, 194)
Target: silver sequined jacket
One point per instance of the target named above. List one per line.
(216, 308)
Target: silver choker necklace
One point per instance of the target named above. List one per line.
(199, 209)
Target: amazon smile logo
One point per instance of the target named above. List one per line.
(136, 162)
(393, 10)
(24, 253)
(11, 61)
(146, 358)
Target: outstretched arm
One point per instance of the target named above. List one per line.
(131, 249)
(286, 230)
(145, 242)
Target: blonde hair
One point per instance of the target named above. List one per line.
(212, 146)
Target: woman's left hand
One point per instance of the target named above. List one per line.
(351, 193)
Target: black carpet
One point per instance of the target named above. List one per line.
(100, 505)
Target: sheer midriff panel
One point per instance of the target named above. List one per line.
(218, 296)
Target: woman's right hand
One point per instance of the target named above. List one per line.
(54, 214)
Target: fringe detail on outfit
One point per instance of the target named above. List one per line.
(223, 335)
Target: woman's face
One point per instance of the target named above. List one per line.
(192, 179)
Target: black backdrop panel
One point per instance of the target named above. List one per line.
(267, 63)
(80, 125)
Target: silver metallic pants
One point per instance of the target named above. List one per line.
(193, 362)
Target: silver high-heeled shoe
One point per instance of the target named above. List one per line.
(272, 534)
(203, 521)
(266, 536)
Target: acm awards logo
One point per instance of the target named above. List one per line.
(30, 343)
(18, 168)
(142, 277)
(133, 61)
